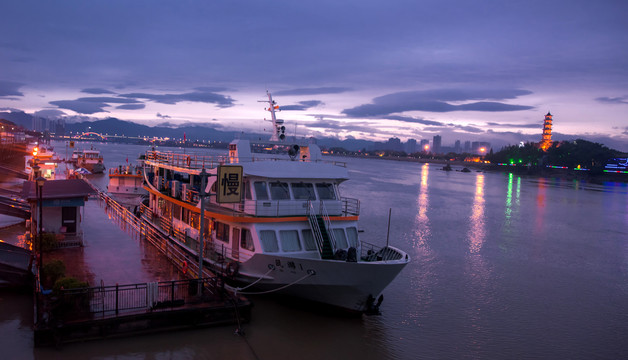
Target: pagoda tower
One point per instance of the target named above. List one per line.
(547, 132)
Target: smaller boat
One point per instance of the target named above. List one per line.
(91, 160)
(126, 185)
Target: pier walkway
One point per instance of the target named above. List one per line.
(133, 287)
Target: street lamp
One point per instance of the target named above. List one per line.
(39, 191)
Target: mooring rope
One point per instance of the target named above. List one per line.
(256, 281)
(309, 273)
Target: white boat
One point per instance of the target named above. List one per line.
(291, 232)
(126, 185)
(90, 159)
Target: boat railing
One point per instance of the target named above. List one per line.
(350, 206)
(316, 230)
(325, 216)
(185, 161)
(371, 252)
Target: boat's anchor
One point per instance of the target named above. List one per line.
(371, 307)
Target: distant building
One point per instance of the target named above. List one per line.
(457, 147)
(394, 144)
(467, 146)
(546, 141)
(410, 146)
(436, 144)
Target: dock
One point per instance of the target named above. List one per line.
(139, 283)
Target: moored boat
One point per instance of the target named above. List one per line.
(126, 185)
(288, 230)
(91, 160)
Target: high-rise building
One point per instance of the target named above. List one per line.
(394, 144)
(436, 144)
(546, 141)
(410, 146)
(467, 146)
(457, 148)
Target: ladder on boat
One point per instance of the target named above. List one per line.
(320, 225)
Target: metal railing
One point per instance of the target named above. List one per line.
(330, 232)
(185, 161)
(113, 300)
(316, 230)
(370, 252)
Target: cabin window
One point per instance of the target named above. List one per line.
(222, 231)
(246, 240)
(352, 236)
(341, 238)
(268, 239)
(308, 240)
(289, 240)
(261, 192)
(303, 191)
(326, 191)
(279, 191)
(247, 190)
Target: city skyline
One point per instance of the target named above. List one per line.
(484, 71)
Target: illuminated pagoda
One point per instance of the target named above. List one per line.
(547, 132)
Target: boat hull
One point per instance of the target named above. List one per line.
(341, 284)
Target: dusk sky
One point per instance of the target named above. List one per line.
(465, 70)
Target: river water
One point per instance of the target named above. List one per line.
(503, 266)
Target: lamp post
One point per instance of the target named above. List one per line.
(203, 176)
(39, 191)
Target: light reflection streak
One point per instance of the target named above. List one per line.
(423, 222)
(477, 231)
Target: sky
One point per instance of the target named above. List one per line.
(478, 70)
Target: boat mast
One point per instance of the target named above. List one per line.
(278, 128)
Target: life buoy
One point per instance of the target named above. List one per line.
(232, 269)
(185, 267)
(189, 161)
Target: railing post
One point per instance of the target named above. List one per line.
(116, 299)
(172, 293)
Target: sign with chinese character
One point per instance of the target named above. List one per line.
(71, 144)
(229, 180)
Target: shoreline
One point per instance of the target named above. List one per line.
(566, 174)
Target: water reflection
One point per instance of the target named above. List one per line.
(477, 232)
(511, 208)
(422, 221)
